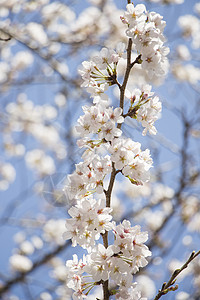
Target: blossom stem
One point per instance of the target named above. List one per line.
(113, 174)
(106, 293)
(126, 76)
(105, 239)
(110, 187)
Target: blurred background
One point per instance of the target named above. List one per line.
(42, 45)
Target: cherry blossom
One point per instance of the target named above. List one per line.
(145, 108)
(146, 31)
(89, 219)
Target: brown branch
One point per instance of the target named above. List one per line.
(105, 239)
(122, 87)
(111, 184)
(5, 40)
(106, 293)
(129, 66)
(167, 287)
(126, 76)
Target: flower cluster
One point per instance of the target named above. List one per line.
(100, 120)
(187, 72)
(146, 30)
(190, 26)
(128, 157)
(145, 108)
(116, 262)
(7, 175)
(89, 176)
(129, 244)
(89, 219)
(37, 160)
(100, 72)
(37, 121)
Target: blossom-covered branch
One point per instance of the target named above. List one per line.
(90, 218)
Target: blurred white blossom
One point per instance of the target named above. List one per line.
(20, 263)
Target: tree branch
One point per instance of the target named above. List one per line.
(114, 172)
(167, 287)
(126, 76)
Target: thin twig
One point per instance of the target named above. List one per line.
(110, 187)
(167, 287)
(126, 76)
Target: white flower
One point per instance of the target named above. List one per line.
(75, 265)
(146, 286)
(102, 166)
(190, 26)
(183, 52)
(130, 242)
(89, 175)
(146, 31)
(104, 58)
(109, 131)
(118, 269)
(194, 224)
(53, 230)
(98, 93)
(157, 19)
(186, 72)
(37, 33)
(42, 163)
(146, 108)
(7, 175)
(99, 262)
(79, 295)
(135, 14)
(20, 263)
(120, 52)
(133, 96)
(183, 296)
(22, 60)
(75, 282)
(129, 158)
(130, 294)
(100, 120)
(126, 281)
(37, 242)
(27, 248)
(197, 8)
(89, 219)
